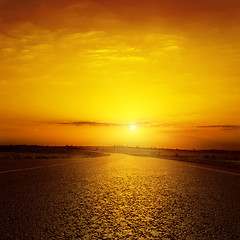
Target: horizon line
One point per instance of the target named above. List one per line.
(117, 146)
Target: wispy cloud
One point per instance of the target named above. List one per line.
(222, 127)
(112, 124)
(103, 124)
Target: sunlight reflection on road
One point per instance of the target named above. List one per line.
(130, 198)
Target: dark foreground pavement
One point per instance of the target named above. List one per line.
(117, 197)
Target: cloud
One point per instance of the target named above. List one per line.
(108, 124)
(99, 124)
(134, 11)
(222, 127)
(81, 123)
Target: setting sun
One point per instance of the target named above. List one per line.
(132, 127)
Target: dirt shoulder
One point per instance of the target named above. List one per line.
(46, 152)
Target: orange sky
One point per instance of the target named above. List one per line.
(81, 72)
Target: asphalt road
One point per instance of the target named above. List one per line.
(117, 197)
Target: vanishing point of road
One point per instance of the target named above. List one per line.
(117, 197)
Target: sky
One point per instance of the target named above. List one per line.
(81, 72)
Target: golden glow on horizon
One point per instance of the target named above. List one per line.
(83, 62)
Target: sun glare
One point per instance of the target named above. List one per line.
(132, 127)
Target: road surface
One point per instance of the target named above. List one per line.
(117, 197)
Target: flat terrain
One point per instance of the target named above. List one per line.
(225, 160)
(117, 197)
(228, 160)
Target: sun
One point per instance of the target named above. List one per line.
(132, 127)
